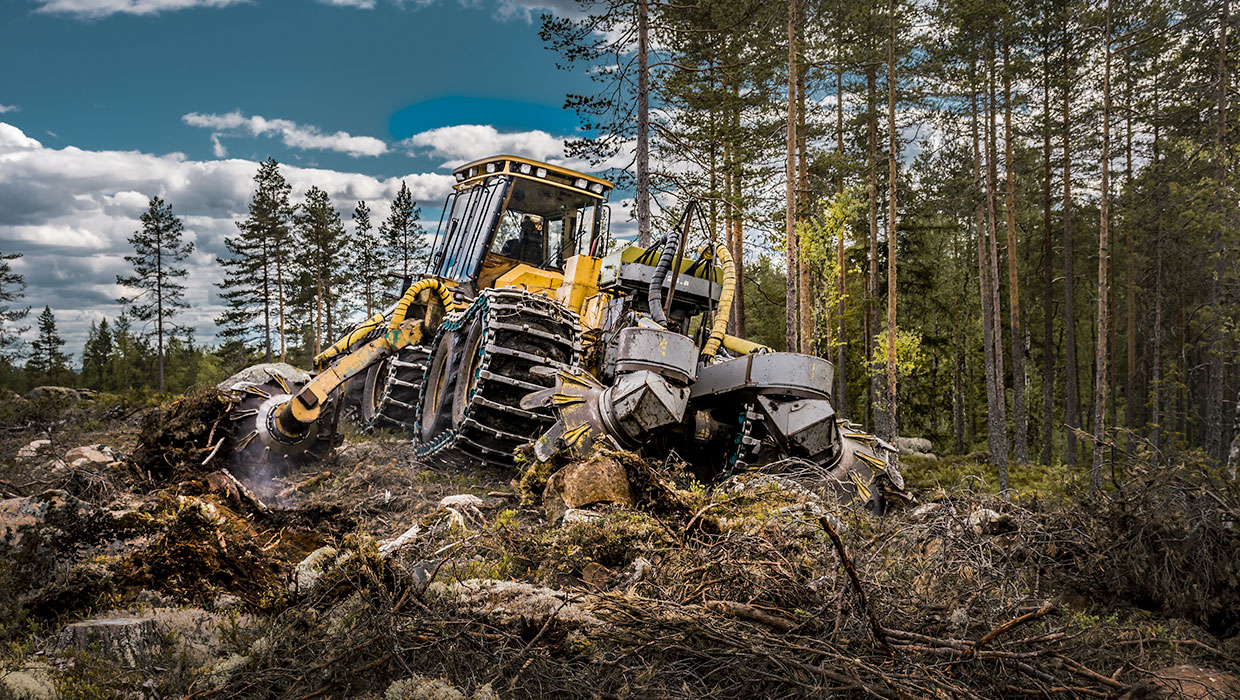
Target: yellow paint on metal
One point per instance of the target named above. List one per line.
(871, 460)
(576, 435)
(863, 489)
(580, 281)
(531, 279)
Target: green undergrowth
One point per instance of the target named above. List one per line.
(950, 474)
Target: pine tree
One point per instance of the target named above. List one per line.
(12, 290)
(158, 249)
(404, 233)
(47, 363)
(320, 243)
(367, 260)
(96, 355)
(253, 288)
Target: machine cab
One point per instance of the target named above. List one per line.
(508, 212)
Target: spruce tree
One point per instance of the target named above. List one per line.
(158, 249)
(96, 355)
(404, 233)
(48, 364)
(367, 260)
(320, 247)
(12, 290)
(253, 288)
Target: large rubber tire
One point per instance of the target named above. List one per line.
(391, 389)
(482, 366)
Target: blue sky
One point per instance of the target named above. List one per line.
(104, 103)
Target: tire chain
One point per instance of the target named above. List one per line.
(493, 425)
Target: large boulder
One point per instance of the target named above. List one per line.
(912, 445)
(54, 393)
(600, 479)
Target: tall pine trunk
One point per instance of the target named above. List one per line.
(1215, 428)
(999, 450)
(1130, 290)
(892, 172)
(841, 361)
(994, 429)
(1048, 290)
(643, 128)
(1104, 207)
(871, 294)
(1156, 362)
(791, 306)
(738, 212)
(1071, 401)
(804, 283)
(1020, 432)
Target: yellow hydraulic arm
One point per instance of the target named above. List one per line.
(303, 409)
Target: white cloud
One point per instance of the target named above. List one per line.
(70, 212)
(5, 109)
(103, 8)
(359, 4)
(466, 142)
(293, 135)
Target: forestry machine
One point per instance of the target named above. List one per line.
(525, 331)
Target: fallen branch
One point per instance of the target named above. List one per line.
(875, 627)
(749, 612)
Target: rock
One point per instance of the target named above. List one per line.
(596, 576)
(421, 688)
(34, 682)
(517, 603)
(600, 479)
(33, 449)
(88, 454)
(579, 515)
(924, 455)
(638, 571)
(985, 521)
(128, 640)
(924, 512)
(308, 572)
(54, 393)
(911, 445)
(1185, 682)
(460, 500)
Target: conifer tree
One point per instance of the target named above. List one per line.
(96, 355)
(12, 290)
(367, 259)
(158, 249)
(404, 233)
(253, 288)
(47, 362)
(320, 244)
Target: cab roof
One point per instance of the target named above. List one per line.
(531, 169)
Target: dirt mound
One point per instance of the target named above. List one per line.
(176, 439)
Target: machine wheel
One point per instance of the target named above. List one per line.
(482, 366)
(261, 390)
(391, 388)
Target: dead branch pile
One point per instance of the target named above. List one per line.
(751, 594)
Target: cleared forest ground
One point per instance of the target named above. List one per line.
(371, 576)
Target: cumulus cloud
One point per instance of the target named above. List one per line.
(293, 135)
(5, 109)
(70, 211)
(460, 144)
(103, 8)
(359, 4)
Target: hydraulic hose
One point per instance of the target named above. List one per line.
(362, 330)
(671, 246)
(402, 306)
(719, 327)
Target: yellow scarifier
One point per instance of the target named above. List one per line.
(532, 328)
